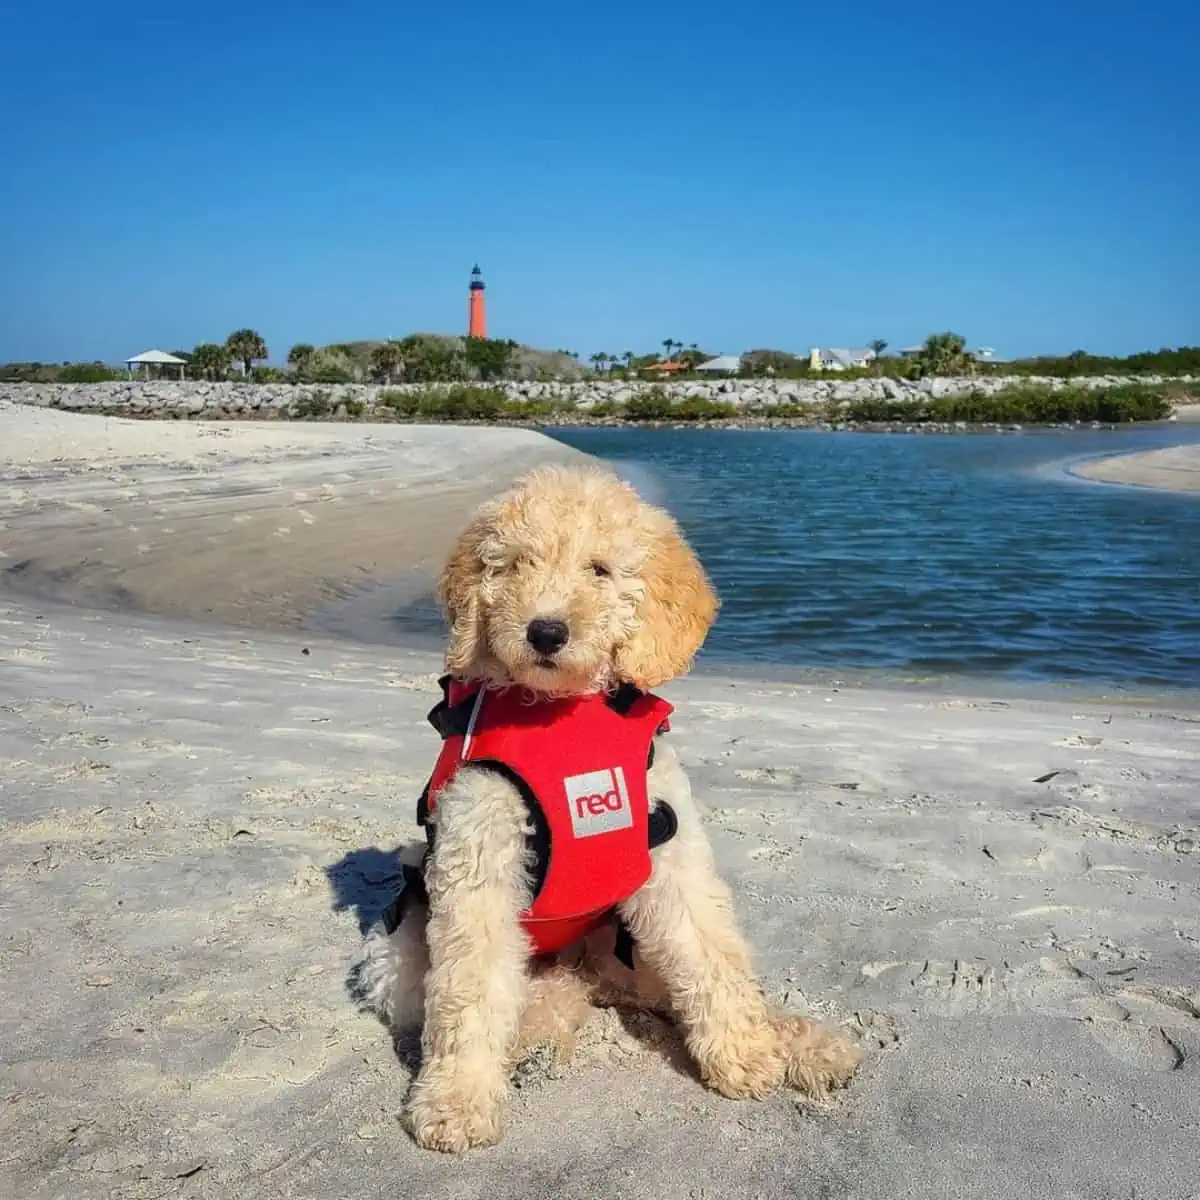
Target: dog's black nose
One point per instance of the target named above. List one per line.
(547, 637)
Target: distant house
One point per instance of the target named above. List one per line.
(672, 367)
(986, 354)
(979, 353)
(822, 359)
(727, 363)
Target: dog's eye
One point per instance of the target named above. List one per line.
(600, 570)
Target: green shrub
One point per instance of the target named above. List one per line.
(1020, 404)
(462, 402)
(1182, 360)
(650, 405)
(697, 408)
(88, 373)
(466, 403)
(542, 409)
(656, 405)
(792, 411)
(403, 404)
(489, 358)
(311, 407)
(324, 372)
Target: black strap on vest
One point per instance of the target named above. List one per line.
(412, 888)
(663, 825)
(450, 720)
(623, 947)
(624, 698)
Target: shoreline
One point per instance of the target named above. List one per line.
(1170, 469)
(253, 524)
(750, 421)
(881, 404)
(200, 806)
(319, 527)
(367, 619)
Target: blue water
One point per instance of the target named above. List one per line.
(961, 555)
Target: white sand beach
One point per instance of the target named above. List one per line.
(1173, 469)
(199, 800)
(238, 522)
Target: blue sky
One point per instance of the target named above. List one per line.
(758, 174)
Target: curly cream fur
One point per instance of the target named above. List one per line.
(579, 546)
(534, 553)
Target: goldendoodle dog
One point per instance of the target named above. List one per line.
(566, 863)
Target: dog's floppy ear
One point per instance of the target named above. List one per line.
(458, 590)
(676, 611)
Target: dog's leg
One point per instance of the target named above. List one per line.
(391, 972)
(684, 926)
(391, 968)
(478, 885)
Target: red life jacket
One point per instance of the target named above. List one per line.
(581, 764)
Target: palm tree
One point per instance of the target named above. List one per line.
(247, 347)
(300, 355)
(945, 354)
(877, 346)
(668, 344)
(211, 360)
(385, 360)
(598, 362)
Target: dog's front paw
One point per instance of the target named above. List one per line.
(818, 1059)
(454, 1119)
(746, 1064)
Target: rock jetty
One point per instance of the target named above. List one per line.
(281, 400)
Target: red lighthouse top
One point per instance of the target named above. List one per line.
(477, 279)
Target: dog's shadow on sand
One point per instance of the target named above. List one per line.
(366, 881)
(363, 882)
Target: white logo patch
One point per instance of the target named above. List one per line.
(598, 802)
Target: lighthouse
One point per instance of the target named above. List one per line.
(477, 312)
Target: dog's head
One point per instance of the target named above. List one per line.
(571, 583)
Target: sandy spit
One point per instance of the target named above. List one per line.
(246, 523)
(1001, 897)
(1174, 469)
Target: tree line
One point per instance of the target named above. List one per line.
(419, 358)
(946, 354)
(433, 358)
